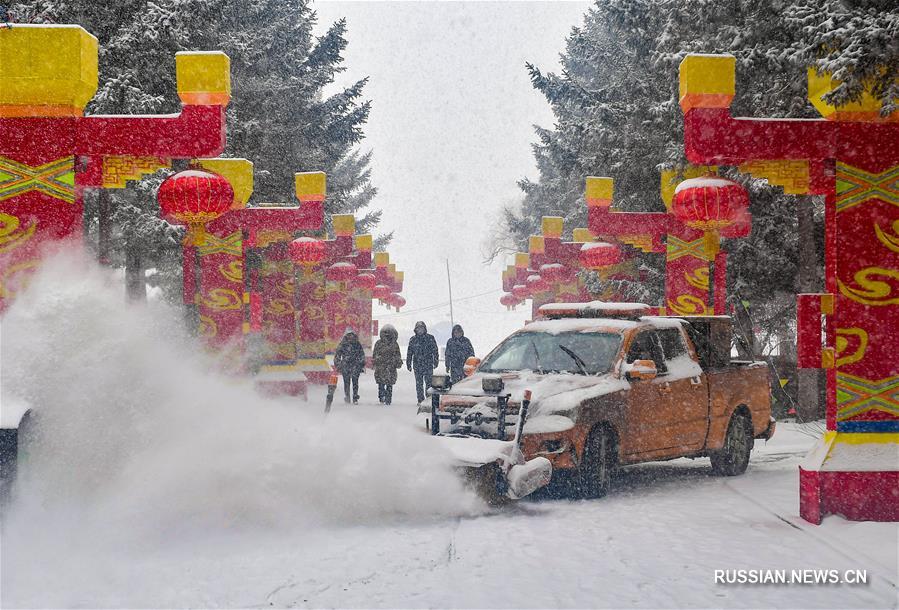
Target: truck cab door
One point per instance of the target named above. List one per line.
(686, 412)
(647, 400)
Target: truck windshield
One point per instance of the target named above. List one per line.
(570, 352)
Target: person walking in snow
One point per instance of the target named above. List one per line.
(458, 350)
(422, 358)
(349, 360)
(386, 358)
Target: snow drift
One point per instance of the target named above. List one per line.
(138, 442)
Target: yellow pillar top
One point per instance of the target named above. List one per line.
(865, 109)
(707, 81)
(310, 186)
(552, 226)
(203, 77)
(536, 244)
(46, 70)
(382, 259)
(364, 243)
(522, 260)
(399, 276)
(581, 235)
(599, 191)
(344, 224)
(238, 172)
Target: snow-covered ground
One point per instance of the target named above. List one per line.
(161, 487)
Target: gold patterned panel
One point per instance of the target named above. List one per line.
(699, 278)
(875, 286)
(279, 307)
(791, 174)
(641, 242)
(233, 272)
(688, 305)
(208, 327)
(891, 241)
(221, 299)
(16, 277)
(119, 169)
(854, 338)
(12, 234)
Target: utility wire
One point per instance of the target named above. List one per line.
(438, 305)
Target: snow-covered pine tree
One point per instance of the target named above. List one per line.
(280, 116)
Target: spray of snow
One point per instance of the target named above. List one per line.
(138, 444)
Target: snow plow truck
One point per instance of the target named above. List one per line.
(590, 387)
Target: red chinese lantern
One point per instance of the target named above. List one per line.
(599, 255)
(365, 281)
(710, 204)
(340, 272)
(380, 292)
(521, 291)
(396, 300)
(194, 198)
(536, 284)
(509, 300)
(308, 252)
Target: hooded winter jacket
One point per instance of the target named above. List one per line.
(458, 350)
(422, 353)
(386, 356)
(349, 358)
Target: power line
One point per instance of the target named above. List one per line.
(438, 305)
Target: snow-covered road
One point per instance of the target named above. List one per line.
(655, 541)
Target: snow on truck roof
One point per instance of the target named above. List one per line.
(597, 316)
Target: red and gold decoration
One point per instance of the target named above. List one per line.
(49, 75)
(195, 198)
(851, 157)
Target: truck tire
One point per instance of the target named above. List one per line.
(594, 476)
(733, 458)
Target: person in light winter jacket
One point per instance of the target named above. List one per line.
(458, 350)
(422, 356)
(386, 358)
(349, 360)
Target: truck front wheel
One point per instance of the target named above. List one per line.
(733, 458)
(594, 476)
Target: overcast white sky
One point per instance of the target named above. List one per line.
(451, 130)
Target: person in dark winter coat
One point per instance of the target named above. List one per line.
(423, 357)
(386, 358)
(458, 350)
(350, 361)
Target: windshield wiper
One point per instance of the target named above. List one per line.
(577, 359)
(537, 357)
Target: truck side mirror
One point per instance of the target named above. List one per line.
(642, 370)
(470, 365)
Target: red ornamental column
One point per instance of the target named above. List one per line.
(361, 288)
(852, 158)
(50, 152)
(340, 270)
(309, 254)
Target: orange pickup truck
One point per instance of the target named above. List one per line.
(611, 387)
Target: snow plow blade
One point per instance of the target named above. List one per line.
(497, 485)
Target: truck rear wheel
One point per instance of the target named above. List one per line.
(733, 458)
(594, 476)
